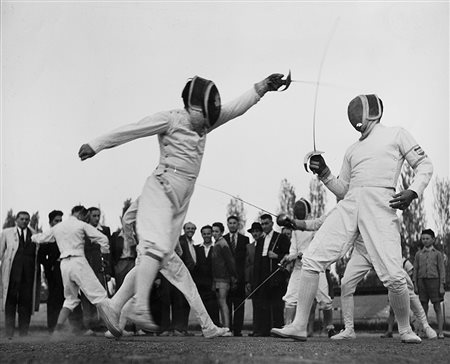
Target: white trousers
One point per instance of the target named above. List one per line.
(77, 274)
(365, 211)
(357, 267)
(162, 208)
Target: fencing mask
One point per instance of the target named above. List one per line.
(202, 95)
(364, 108)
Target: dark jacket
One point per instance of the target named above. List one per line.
(186, 256)
(279, 244)
(203, 275)
(239, 255)
(224, 267)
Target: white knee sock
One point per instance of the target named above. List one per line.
(308, 284)
(146, 272)
(417, 309)
(399, 301)
(348, 307)
(125, 292)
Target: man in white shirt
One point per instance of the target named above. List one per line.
(76, 273)
(165, 198)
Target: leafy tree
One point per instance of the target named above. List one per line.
(236, 208)
(441, 213)
(287, 198)
(10, 220)
(317, 197)
(34, 222)
(126, 205)
(413, 218)
(441, 193)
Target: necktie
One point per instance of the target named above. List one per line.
(233, 242)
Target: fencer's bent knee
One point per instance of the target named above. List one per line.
(397, 285)
(347, 289)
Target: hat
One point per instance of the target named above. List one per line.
(255, 226)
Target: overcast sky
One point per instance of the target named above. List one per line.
(72, 71)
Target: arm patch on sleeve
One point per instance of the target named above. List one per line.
(419, 150)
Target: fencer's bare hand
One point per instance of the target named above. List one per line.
(272, 255)
(86, 152)
(402, 199)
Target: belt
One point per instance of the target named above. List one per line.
(127, 258)
(167, 167)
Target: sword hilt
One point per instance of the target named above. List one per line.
(308, 158)
(287, 82)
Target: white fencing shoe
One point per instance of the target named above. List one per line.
(430, 333)
(410, 337)
(347, 334)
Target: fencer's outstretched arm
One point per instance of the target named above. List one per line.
(150, 125)
(44, 237)
(241, 104)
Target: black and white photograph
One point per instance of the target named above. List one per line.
(225, 181)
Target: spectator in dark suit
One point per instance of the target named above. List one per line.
(238, 246)
(20, 274)
(49, 258)
(268, 299)
(189, 259)
(203, 274)
(257, 234)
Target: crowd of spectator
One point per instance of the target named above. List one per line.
(227, 267)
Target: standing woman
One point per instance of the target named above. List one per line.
(224, 272)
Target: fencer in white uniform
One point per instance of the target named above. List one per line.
(77, 274)
(366, 185)
(299, 243)
(165, 198)
(357, 267)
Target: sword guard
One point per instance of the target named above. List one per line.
(287, 82)
(308, 157)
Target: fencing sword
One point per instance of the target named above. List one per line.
(315, 152)
(237, 198)
(280, 267)
(289, 80)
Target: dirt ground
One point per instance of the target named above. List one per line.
(367, 348)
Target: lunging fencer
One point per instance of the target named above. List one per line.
(366, 185)
(164, 200)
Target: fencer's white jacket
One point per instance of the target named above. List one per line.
(70, 236)
(377, 161)
(181, 148)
